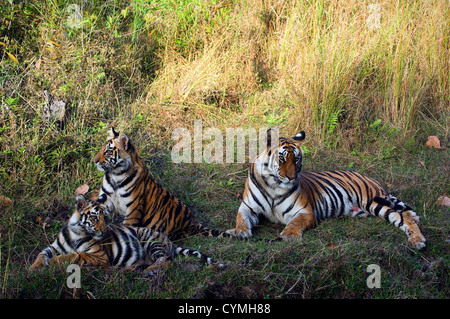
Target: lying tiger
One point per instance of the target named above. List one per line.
(87, 240)
(276, 189)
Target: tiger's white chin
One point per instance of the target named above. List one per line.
(288, 183)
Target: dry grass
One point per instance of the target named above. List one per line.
(321, 61)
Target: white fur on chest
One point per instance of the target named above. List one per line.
(276, 206)
(116, 200)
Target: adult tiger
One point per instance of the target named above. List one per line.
(276, 189)
(87, 239)
(132, 192)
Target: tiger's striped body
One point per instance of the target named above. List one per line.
(133, 193)
(276, 189)
(86, 239)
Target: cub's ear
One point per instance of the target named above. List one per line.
(272, 139)
(300, 136)
(112, 133)
(124, 141)
(81, 202)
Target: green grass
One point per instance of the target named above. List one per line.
(367, 99)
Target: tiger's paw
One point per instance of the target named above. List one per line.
(291, 235)
(39, 263)
(155, 268)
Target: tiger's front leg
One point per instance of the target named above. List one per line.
(245, 220)
(295, 228)
(81, 259)
(40, 262)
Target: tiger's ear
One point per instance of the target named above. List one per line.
(300, 136)
(272, 138)
(124, 141)
(112, 133)
(81, 202)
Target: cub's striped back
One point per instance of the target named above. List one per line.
(277, 189)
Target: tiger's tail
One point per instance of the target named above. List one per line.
(400, 215)
(200, 229)
(180, 251)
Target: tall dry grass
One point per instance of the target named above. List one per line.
(330, 67)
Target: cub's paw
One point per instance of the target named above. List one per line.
(39, 263)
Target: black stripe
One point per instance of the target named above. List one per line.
(390, 211)
(127, 194)
(127, 180)
(383, 201)
(131, 202)
(48, 252)
(368, 191)
(378, 208)
(307, 183)
(285, 196)
(115, 240)
(251, 210)
(255, 198)
(128, 243)
(329, 194)
(358, 192)
(343, 186)
(137, 247)
(66, 236)
(293, 203)
(401, 220)
(116, 155)
(351, 184)
(257, 184)
(105, 191)
(108, 180)
(81, 241)
(123, 170)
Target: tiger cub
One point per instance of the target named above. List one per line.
(87, 239)
(277, 189)
(133, 193)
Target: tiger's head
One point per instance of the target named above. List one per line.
(284, 159)
(89, 217)
(116, 154)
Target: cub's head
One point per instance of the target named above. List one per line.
(116, 154)
(89, 217)
(285, 157)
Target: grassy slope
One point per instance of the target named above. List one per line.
(148, 68)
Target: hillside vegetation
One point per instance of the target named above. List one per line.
(367, 81)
